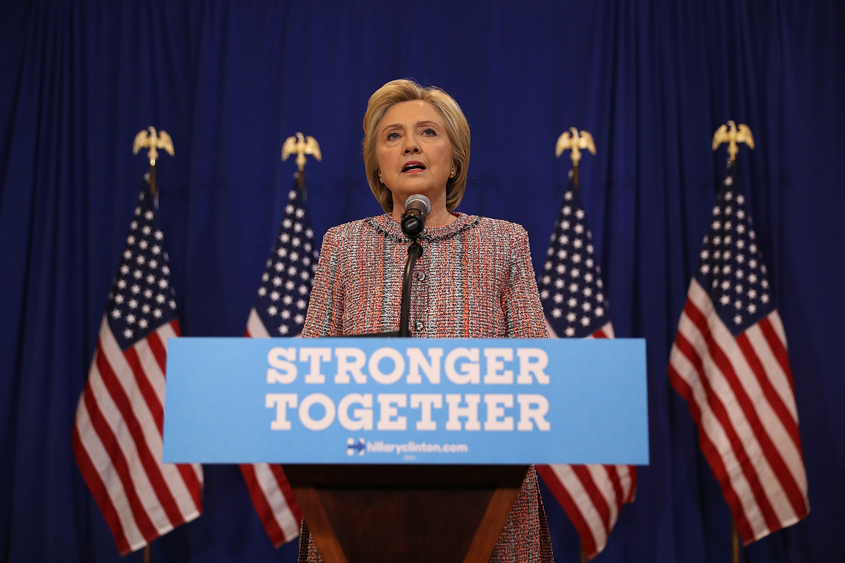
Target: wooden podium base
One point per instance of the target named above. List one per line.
(375, 513)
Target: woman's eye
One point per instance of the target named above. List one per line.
(429, 132)
(392, 136)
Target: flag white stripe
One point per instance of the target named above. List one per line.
(123, 372)
(176, 483)
(723, 391)
(606, 329)
(150, 366)
(625, 480)
(266, 480)
(599, 477)
(583, 502)
(101, 461)
(170, 472)
(599, 474)
(172, 479)
(277, 501)
(777, 376)
(777, 325)
(165, 333)
(715, 432)
(255, 327)
(772, 425)
(138, 475)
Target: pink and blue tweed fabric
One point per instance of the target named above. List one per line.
(474, 280)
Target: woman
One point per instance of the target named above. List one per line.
(474, 279)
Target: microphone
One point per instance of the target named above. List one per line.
(417, 208)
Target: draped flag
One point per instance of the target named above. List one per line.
(572, 293)
(729, 362)
(117, 435)
(280, 311)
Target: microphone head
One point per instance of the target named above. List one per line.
(424, 205)
(417, 208)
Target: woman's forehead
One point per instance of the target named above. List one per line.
(410, 112)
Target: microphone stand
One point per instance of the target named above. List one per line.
(414, 252)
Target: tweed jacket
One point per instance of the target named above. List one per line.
(474, 280)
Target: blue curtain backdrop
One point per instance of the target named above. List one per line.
(231, 80)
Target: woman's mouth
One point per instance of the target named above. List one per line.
(413, 166)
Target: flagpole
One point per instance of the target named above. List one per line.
(573, 141)
(734, 540)
(732, 135)
(153, 140)
(152, 180)
(301, 145)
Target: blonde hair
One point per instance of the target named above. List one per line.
(457, 128)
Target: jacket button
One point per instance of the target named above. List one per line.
(421, 276)
(420, 326)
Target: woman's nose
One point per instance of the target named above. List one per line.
(411, 145)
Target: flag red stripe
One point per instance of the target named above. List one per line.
(598, 500)
(158, 350)
(769, 391)
(562, 495)
(711, 453)
(779, 351)
(632, 493)
(192, 482)
(99, 492)
(262, 507)
(759, 429)
(257, 483)
(284, 486)
(148, 461)
(613, 470)
(189, 476)
(613, 477)
(118, 461)
(145, 387)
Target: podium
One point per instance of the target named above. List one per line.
(405, 449)
(445, 513)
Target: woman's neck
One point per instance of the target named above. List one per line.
(438, 217)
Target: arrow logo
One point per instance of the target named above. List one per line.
(352, 445)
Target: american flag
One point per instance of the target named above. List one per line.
(117, 435)
(572, 293)
(280, 311)
(729, 362)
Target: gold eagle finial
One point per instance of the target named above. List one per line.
(154, 140)
(575, 142)
(301, 145)
(732, 135)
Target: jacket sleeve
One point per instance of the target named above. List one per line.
(520, 300)
(325, 308)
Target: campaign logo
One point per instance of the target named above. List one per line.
(352, 446)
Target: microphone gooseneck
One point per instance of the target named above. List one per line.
(417, 208)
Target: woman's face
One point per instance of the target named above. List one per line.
(414, 152)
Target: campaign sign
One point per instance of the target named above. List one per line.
(398, 401)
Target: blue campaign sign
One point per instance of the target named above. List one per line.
(394, 401)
